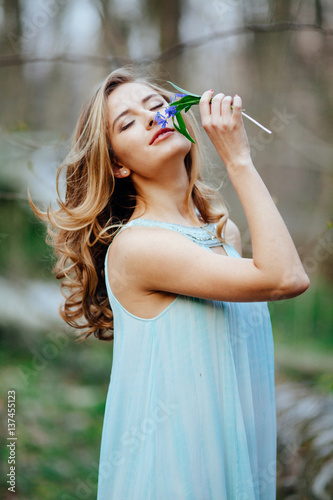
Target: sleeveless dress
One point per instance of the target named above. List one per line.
(190, 409)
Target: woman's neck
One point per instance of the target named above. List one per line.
(165, 199)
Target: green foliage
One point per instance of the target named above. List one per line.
(23, 250)
(184, 91)
(181, 126)
(306, 320)
(302, 331)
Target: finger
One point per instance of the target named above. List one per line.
(205, 108)
(226, 107)
(204, 103)
(216, 106)
(237, 108)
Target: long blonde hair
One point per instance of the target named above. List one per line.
(97, 204)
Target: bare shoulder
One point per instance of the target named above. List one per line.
(233, 236)
(141, 239)
(137, 250)
(137, 242)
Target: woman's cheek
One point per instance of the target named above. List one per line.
(130, 155)
(121, 150)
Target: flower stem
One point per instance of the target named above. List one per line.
(257, 123)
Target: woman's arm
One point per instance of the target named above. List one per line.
(150, 259)
(274, 252)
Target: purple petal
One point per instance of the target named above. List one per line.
(175, 98)
(161, 120)
(171, 111)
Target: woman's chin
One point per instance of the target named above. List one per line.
(178, 144)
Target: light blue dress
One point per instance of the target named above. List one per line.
(190, 409)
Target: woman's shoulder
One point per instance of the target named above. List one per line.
(140, 245)
(136, 233)
(132, 236)
(139, 250)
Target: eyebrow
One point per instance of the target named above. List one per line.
(144, 100)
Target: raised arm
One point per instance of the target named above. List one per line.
(274, 252)
(153, 259)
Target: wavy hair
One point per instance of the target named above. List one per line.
(97, 204)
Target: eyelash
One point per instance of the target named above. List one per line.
(129, 124)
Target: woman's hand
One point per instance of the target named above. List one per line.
(225, 127)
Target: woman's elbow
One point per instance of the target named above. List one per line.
(295, 285)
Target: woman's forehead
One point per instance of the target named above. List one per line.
(129, 94)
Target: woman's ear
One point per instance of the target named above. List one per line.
(120, 171)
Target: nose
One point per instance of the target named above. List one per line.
(150, 118)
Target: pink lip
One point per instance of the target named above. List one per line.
(161, 135)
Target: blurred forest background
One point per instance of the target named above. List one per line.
(276, 54)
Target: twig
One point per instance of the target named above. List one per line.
(172, 52)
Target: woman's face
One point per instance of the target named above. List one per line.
(132, 108)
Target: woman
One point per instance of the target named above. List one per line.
(190, 411)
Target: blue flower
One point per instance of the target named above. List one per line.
(161, 120)
(177, 95)
(171, 111)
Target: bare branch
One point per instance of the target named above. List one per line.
(167, 55)
(251, 28)
(19, 59)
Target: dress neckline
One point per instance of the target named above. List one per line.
(170, 223)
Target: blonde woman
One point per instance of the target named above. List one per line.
(152, 261)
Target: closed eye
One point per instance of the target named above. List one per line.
(152, 109)
(158, 106)
(128, 125)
